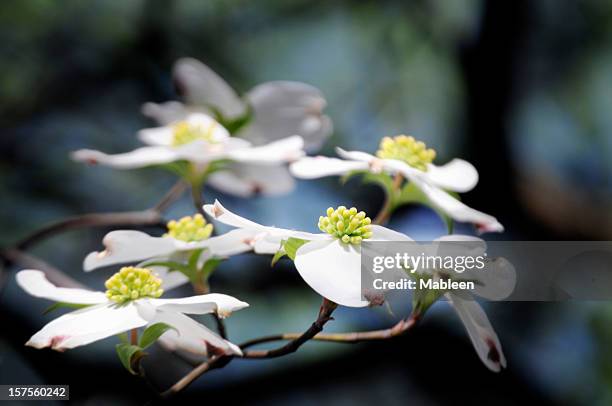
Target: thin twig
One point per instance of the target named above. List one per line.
(398, 329)
(196, 196)
(147, 217)
(385, 212)
(216, 361)
(24, 260)
(325, 312)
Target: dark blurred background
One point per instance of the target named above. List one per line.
(522, 89)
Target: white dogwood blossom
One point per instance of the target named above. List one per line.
(495, 283)
(330, 262)
(130, 302)
(411, 159)
(269, 112)
(201, 140)
(185, 237)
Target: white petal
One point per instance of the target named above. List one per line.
(191, 335)
(320, 166)
(386, 234)
(457, 175)
(219, 303)
(457, 210)
(481, 332)
(124, 246)
(137, 158)
(202, 120)
(36, 284)
(199, 85)
(283, 108)
(333, 270)
(87, 325)
(157, 136)
(245, 180)
(223, 215)
(166, 113)
(170, 279)
(355, 155)
(285, 150)
(231, 243)
(273, 234)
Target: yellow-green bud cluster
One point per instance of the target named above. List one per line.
(347, 225)
(189, 229)
(132, 283)
(184, 132)
(406, 148)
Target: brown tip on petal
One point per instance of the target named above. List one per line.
(56, 341)
(249, 241)
(214, 350)
(217, 210)
(493, 354)
(256, 188)
(91, 161)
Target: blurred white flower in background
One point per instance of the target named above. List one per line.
(202, 141)
(131, 301)
(404, 156)
(269, 112)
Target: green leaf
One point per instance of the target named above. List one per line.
(128, 355)
(152, 333)
(279, 254)
(192, 262)
(412, 194)
(61, 305)
(209, 267)
(422, 299)
(292, 245)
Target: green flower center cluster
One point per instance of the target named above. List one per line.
(406, 148)
(132, 283)
(189, 229)
(185, 132)
(347, 225)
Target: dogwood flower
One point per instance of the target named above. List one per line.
(130, 302)
(269, 112)
(201, 140)
(330, 262)
(185, 237)
(496, 282)
(275, 109)
(403, 155)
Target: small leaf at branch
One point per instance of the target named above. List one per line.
(152, 333)
(292, 245)
(209, 267)
(412, 194)
(279, 254)
(128, 355)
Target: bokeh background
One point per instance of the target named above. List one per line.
(522, 89)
